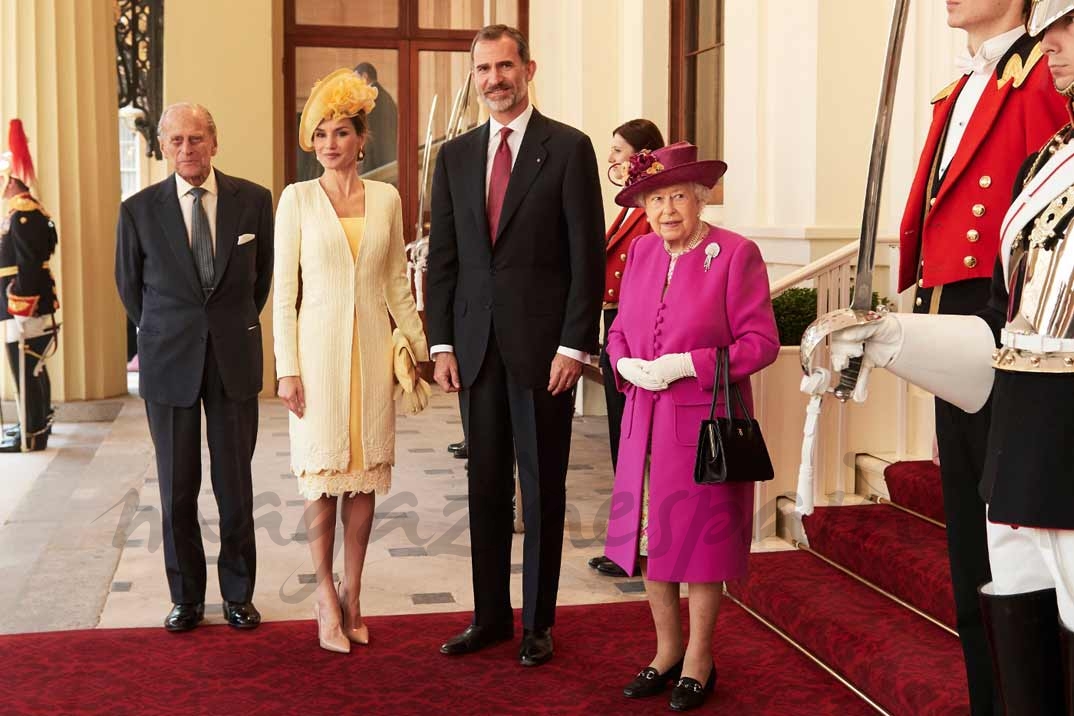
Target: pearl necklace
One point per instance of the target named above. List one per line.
(700, 232)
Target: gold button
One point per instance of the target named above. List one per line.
(917, 301)
(619, 274)
(932, 201)
(921, 283)
(969, 261)
(973, 236)
(985, 181)
(611, 291)
(978, 209)
(23, 219)
(622, 257)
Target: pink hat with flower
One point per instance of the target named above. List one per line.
(674, 164)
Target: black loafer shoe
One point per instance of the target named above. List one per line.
(689, 694)
(462, 453)
(475, 638)
(611, 569)
(650, 682)
(536, 647)
(241, 615)
(456, 446)
(184, 617)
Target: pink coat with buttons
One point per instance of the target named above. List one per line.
(695, 533)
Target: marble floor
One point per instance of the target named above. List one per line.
(80, 536)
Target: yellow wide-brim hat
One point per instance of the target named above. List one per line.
(340, 94)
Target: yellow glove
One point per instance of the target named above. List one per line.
(413, 390)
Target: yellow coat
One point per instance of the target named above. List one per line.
(314, 342)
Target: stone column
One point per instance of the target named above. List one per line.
(58, 74)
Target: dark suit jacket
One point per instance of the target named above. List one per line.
(158, 284)
(541, 284)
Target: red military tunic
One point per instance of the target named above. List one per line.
(629, 225)
(954, 236)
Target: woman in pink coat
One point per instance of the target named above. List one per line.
(688, 288)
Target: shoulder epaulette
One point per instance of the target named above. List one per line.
(1018, 69)
(946, 91)
(23, 203)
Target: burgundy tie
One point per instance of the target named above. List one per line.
(501, 174)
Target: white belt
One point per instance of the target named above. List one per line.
(1035, 343)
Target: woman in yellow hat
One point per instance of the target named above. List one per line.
(340, 270)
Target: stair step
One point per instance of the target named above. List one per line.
(907, 665)
(915, 484)
(896, 551)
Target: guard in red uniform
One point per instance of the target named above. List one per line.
(984, 125)
(28, 300)
(627, 139)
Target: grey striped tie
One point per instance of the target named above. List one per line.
(201, 241)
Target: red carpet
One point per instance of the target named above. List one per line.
(279, 669)
(900, 553)
(915, 484)
(906, 664)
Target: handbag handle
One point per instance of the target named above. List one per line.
(730, 390)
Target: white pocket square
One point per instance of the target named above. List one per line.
(245, 239)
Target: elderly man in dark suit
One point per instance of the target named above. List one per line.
(516, 272)
(193, 268)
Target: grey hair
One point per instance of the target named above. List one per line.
(701, 191)
(191, 106)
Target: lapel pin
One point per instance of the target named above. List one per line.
(711, 252)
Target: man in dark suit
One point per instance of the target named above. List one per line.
(516, 271)
(193, 267)
(382, 145)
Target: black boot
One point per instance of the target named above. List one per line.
(1023, 634)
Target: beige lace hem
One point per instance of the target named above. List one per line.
(330, 483)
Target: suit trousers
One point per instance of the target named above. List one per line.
(615, 400)
(505, 421)
(231, 431)
(963, 440)
(38, 388)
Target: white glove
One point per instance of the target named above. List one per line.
(879, 342)
(672, 367)
(876, 342)
(639, 372)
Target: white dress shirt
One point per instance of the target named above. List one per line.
(514, 141)
(981, 68)
(208, 202)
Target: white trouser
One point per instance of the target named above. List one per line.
(1028, 559)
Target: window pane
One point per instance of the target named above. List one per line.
(441, 74)
(704, 18)
(465, 14)
(348, 13)
(704, 110)
(381, 148)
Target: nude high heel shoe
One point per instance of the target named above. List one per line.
(331, 638)
(357, 634)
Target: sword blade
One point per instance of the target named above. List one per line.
(862, 298)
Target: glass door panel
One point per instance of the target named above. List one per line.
(381, 69)
(347, 13)
(441, 75)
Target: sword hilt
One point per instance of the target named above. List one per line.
(848, 380)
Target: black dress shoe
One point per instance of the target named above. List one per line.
(456, 446)
(475, 638)
(241, 615)
(536, 647)
(650, 682)
(689, 694)
(611, 569)
(184, 617)
(462, 453)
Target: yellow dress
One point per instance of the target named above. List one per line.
(356, 479)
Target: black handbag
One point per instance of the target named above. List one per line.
(730, 449)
